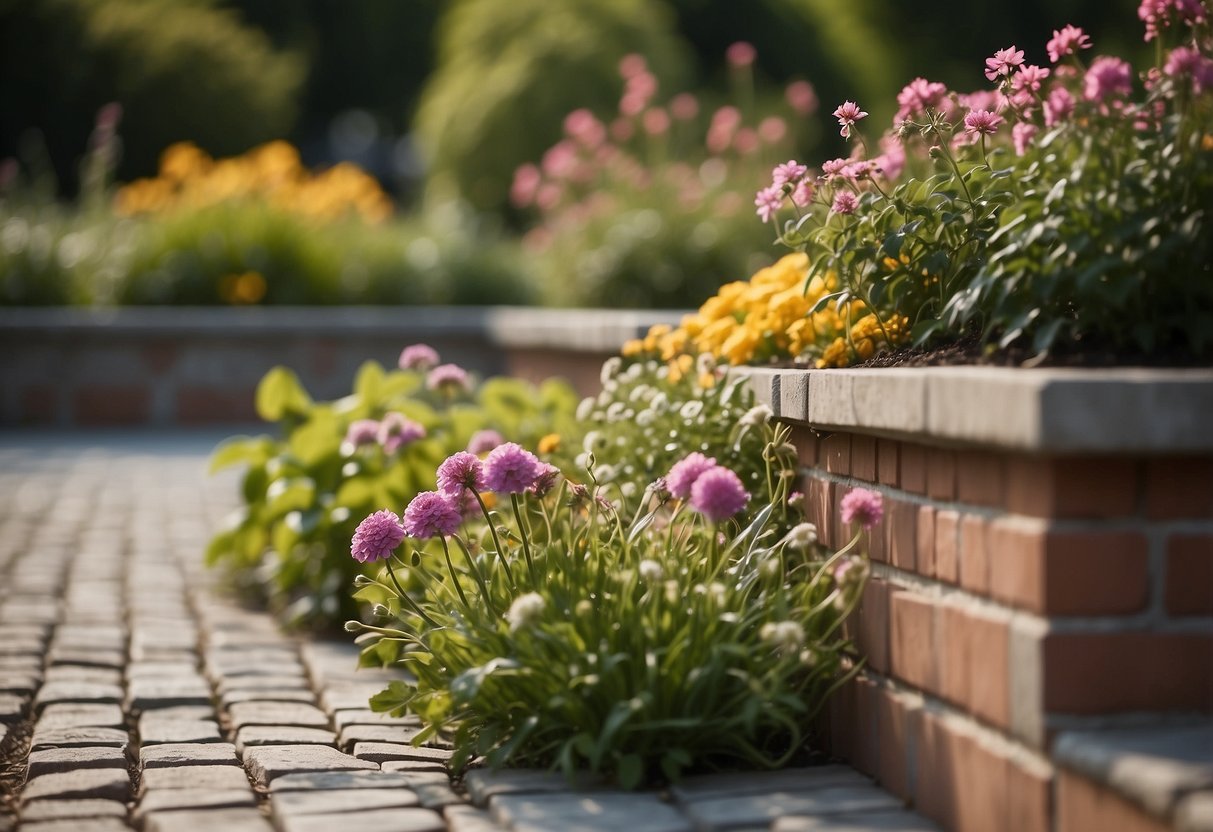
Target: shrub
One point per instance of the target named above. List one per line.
(502, 66)
(1060, 210)
(335, 461)
(646, 209)
(576, 637)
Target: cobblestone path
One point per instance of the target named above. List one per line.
(134, 696)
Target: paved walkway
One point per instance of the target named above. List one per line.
(133, 695)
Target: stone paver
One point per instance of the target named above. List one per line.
(266, 763)
(115, 647)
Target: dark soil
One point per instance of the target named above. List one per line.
(969, 351)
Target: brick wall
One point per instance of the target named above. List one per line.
(1016, 595)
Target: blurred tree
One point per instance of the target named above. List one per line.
(180, 70)
(507, 73)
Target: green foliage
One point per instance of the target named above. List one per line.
(179, 69)
(650, 415)
(305, 492)
(507, 73)
(636, 645)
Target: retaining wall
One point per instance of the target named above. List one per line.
(183, 366)
(1042, 591)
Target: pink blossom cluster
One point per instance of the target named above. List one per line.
(712, 490)
(393, 432)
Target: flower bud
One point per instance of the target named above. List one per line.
(362, 580)
(380, 611)
(353, 626)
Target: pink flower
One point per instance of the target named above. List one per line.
(656, 121)
(1184, 61)
(449, 377)
(459, 472)
(1067, 41)
(746, 141)
(801, 97)
(525, 185)
(847, 114)
(418, 357)
(772, 129)
(718, 494)
(631, 65)
(483, 441)
(789, 173)
(844, 203)
(1029, 78)
(740, 54)
(982, 121)
(397, 430)
(622, 129)
(1106, 78)
(376, 537)
(431, 514)
(684, 106)
(585, 128)
(1022, 135)
(362, 432)
(862, 506)
(1058, 106)
(684, 473)
(1159, 14)
(546, 480)
(893, 160)
(509, 469)
(769, 201)
(919, 96)
(1004, 62)
(802, 194)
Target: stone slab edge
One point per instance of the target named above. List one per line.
(1080, 411)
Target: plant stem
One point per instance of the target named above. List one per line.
(446, 550)
(526, 543)
(406, 598)
(484, 589)
(496, 540)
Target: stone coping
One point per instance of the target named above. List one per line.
(1168, 771)
(1114, 410)
(575, 330)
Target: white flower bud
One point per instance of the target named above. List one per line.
(786, 636)
(650, 570)
(524, 610)
(801, 537)
(756, 416)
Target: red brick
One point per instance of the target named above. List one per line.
(973, 665)
(1083, 806)
(897, 728)
(980, 478)
(947, 545)
(116, 405)
(863, 458)
(806, 442)
(819, 505)
(913, 468)
(161, 357)
(902, 520)
(854, 725)
(925, 548)
(1179, 488)
(871, 625)
(206, 405)
(912, 656)
(323, 356)
(974, 558)
(836, 452)
(1189, 575)
(1100, 673)
(886, 462)
(963, 784)
(1068, 573)
(1094, 487)
(941, 474)
(40, 405)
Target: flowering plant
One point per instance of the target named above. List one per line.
(565, 634)
(646, 204)
(1058, 206)
(304, 493)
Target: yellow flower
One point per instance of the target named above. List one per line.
(549, 444)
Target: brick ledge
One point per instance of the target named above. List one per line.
(1117, 410)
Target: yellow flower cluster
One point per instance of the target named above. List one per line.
(190, 178)
(768, 318)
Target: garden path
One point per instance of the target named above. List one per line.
(133, 694)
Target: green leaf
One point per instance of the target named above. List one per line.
(368, 384)
(280, 394)
(630, 771)
(254, 450)
(395, 697)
